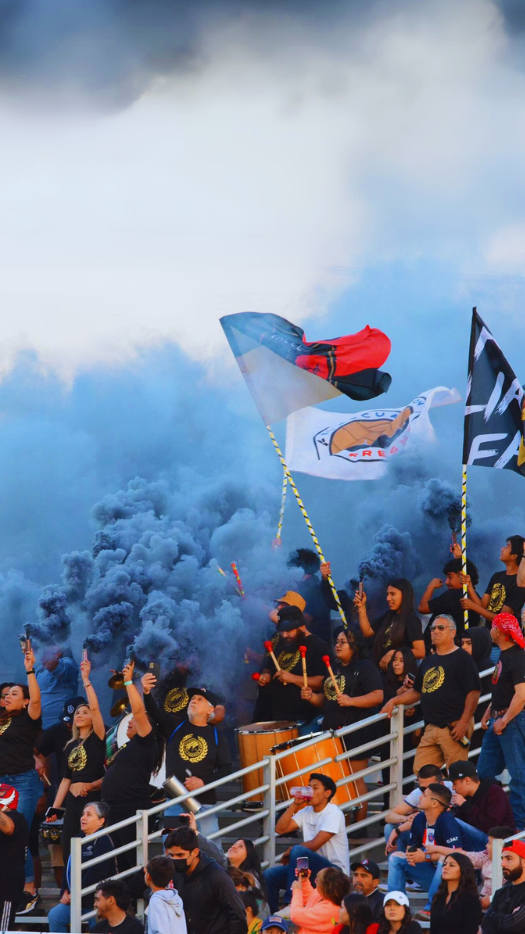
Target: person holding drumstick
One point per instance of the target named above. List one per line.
(354, 693)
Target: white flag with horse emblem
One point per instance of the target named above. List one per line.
(358, 446)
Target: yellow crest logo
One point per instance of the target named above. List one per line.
(176, 700)
(497, 598)
(193, 748)
(329, 690)
(433, 679)
(288, 660)
(4, 725)
(77, 758)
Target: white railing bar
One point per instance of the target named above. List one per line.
(372, 744)
(240, 823)
(311, 767)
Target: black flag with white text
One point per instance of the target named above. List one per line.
(494, 408)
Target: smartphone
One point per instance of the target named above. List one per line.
(411, 849)
(55, 812)
(302, 864)
(154, 669)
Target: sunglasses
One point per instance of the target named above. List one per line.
(441, 628)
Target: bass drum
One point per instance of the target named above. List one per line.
(309, 758)
(117, 737)
(256, 741)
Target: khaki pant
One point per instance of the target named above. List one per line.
(436, 747)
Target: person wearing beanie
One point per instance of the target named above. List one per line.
(504, 720)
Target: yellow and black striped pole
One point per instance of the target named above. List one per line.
(306, 518)
(277, 539)
(464, 535)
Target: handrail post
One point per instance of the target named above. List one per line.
(269, 805)
(76, 884)
(142, 838)
(497, 874)
(396, 752)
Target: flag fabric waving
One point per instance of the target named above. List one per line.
(284, 372)
(359, 446)
(495, 406)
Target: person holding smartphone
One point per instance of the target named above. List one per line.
(126, 784)
(84, 769)
(316, 909)
(19, 729)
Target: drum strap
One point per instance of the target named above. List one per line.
(215, 734)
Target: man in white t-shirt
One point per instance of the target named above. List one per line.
(325, 842)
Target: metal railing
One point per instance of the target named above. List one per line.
(271, 806)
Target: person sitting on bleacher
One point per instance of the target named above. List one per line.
(484, 804)
(432, 828)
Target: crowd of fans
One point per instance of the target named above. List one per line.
(59, 771)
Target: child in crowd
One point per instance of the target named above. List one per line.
(252, 911)
(165, 909)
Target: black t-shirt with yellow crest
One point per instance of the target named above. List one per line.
(18, 734)
(85, 759)
(286, 699)
(444, 682)
(201, 751)
(503, 591)
(359, 677)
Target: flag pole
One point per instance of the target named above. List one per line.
(464, 535)
(277, 540)
(306, 518)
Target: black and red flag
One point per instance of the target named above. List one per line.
(285, 372)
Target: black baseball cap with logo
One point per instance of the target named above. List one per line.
(206, 693)
(70, 706)
(369, 866)
(466, 769)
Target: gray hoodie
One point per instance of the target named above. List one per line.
(165, 913)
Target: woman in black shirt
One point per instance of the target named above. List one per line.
(84, 769)
(399, 676)
(19, 728)
(399, 626)
(456, 907)
(360, 695)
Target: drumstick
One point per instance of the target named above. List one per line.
(302, 650)
(326, 660)
(255, 675)
(269, 648)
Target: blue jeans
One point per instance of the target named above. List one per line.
(281, 876)
(507, 751)
(399, 870)
(205, 825)
(402, 838)
(59, 916)
(29, 789)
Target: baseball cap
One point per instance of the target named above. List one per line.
(290, 617)
(70, 706)
(274, 921)
(398, 897)
(206, 693)
(369, 866)
(8, 797)
(292, 598)
(466, 769)
(509, 626)
(517, 846)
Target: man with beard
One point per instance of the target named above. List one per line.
(506, 914)
(285, 684)
(211, 903)
(365, 879)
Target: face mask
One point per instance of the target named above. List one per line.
(180, 864)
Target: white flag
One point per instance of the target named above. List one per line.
(358, 446)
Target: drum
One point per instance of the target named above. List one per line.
(256, 741)
(299, 758)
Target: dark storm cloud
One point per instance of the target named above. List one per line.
(109, 51)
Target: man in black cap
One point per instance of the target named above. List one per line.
(365, 879)
(485, 804)
(284, 685)
(197, 753)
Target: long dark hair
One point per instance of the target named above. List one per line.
(384, 924)
(467, 879)
(252, 864)
(392, 681)
(358, 911)
(398, 620)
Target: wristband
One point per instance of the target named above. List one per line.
(87, 684)
(127, 683)
(30, 672)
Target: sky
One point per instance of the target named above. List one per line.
(162, 165)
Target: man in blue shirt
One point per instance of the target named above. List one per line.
(57, 677)
(432, 828)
